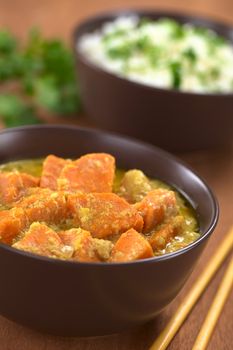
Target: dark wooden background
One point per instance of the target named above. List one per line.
(58, 17)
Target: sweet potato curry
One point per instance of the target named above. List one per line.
(86, 210)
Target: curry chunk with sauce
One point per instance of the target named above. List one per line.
(86, 210)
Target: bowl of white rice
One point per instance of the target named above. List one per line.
(162, 77)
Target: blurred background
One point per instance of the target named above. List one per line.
(28, 95)
(58, 17)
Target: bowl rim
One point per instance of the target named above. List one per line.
(165, 155)
(106, 16)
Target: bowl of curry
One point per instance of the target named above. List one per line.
(98, 233)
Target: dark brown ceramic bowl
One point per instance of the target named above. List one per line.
(176, 121)
(89, 299)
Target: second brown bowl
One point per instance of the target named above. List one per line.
(174, 120)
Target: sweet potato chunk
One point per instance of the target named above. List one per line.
(52, 168)
(29, 180)
(11, 223)
(155, 207)
(103, 214)
(90, 173)
(85, 247)
(42, 205)
(70, 237)
(162, 236)
(14, 184)
(45, 205)
(82, 243)
(131, 246)
(42, 240)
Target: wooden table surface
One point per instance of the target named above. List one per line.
(58, 17)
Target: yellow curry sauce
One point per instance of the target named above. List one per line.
(134, 187)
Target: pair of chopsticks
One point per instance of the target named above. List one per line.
(213, 314)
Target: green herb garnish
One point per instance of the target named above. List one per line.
(176, 74)
(42, 73)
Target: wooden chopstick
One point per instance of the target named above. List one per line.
(189, 301)
(215, 309)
